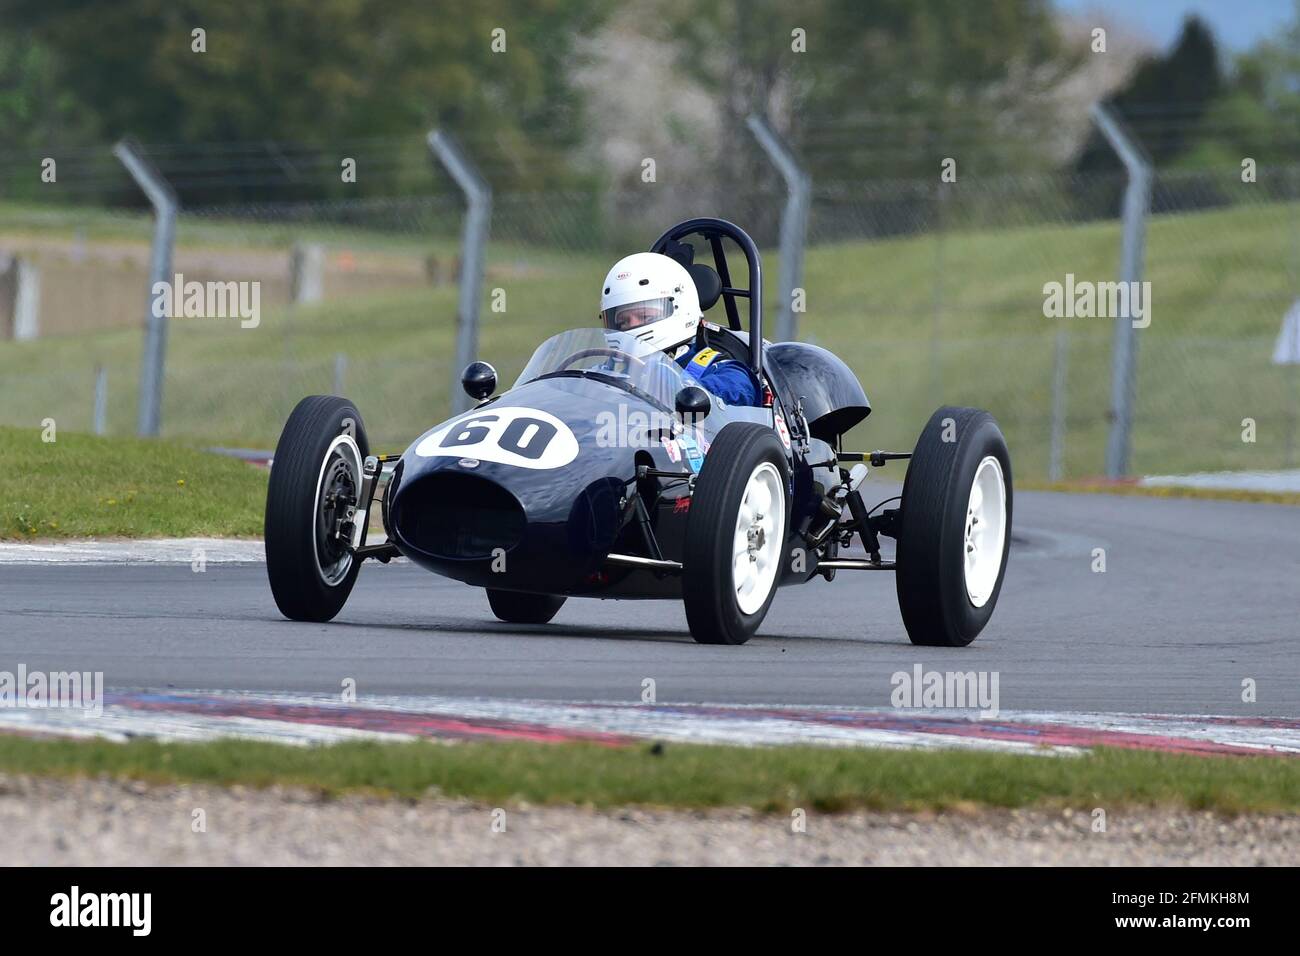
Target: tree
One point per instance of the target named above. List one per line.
(1258, 114)
(316, 71)
(1165, 102)
(880, 91)
(902, 71)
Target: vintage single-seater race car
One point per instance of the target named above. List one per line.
(607, 473)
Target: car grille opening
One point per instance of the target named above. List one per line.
(449, 515)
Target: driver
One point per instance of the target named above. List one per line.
(653, 298)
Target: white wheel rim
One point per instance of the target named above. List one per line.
(346, 448)
(760, 525)
(985, 537)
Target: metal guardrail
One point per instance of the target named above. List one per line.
(794, 220)
(1137, 205)
(478, 222)
(165, 205)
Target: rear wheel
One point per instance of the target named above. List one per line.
(316, 478)
(956, 528)
(515, 607)
(735, 536)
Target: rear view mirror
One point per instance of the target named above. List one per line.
(693, 403)
(479, 380)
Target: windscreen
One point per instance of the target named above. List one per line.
(609, 355)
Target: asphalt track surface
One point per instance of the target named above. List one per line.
(1196, 597)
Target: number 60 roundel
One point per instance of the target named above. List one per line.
(524, 437)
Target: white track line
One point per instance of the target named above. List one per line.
(149, 551)
(1273, 481)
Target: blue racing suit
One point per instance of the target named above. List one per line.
(726, 378)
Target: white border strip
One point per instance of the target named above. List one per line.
(689, 723)
(148, 551)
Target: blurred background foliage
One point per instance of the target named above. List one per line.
(586, 88)
(931, 291)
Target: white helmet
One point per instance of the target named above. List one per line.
(653, 298)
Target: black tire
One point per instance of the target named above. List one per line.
(713, 609)
(297, 554)
(516, 607)
(933, 592)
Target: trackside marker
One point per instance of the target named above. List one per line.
(299, 719)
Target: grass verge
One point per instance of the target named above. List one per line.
(688, 776)
(83, 486)
(80, 486)
(979, 338)
(1162, 491)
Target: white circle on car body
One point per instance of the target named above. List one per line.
(782, 430)
(512, 435)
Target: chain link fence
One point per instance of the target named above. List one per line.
(933, 293)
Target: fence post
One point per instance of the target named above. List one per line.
(941, 194)
(478, 221)
(794, 219)
(1295, 286)
(27, 302)
(101, 400)
(1137, 203)
(163, 199)
(340, 372)
(306, 272)
(20, 299)
(1060, 382)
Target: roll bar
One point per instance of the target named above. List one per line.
(715, 230)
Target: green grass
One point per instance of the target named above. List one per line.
(103, 225)
(1221, 281)
(81, 486)
(1165, 491)
(689, 775)
(208, 229)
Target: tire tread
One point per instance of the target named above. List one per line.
(299, 592)
(928, 527)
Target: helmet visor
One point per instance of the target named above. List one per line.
(633, 315)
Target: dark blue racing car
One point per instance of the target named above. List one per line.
(610, 469)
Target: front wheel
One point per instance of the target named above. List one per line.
(515, 607)
(735, 535)
(316, 479)
(956, 528)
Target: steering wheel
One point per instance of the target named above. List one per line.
(612, 353)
